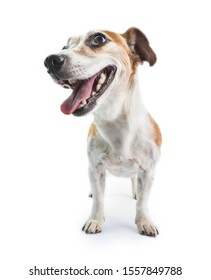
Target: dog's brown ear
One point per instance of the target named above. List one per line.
(139, 45)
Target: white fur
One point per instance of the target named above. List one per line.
(125, 147)
(124, 144)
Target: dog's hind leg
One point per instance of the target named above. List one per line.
(134, 186)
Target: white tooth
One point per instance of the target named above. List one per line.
(98, 87)
(72, 81)
(102, 75)
(80, 105)
(102, 78)
(93, 93)
(101, 81)
(83, 102)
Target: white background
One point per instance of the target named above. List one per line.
(44, 183)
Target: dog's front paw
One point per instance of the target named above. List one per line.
(93, 226)
(146, 228)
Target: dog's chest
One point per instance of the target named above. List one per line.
(122, 152)
(122, 166)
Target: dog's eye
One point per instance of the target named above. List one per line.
(65, 48)
(98, 40)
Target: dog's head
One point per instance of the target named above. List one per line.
(96, 64)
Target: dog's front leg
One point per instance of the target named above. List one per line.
(97, 180)
(143, 222)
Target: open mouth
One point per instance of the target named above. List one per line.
(86, 92)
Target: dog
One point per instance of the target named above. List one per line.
(101, 69)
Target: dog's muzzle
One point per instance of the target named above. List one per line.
(54, 63)
(86, 91)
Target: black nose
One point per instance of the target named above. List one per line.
(54, 63)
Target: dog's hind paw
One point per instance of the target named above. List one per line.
(93, 226)
(147, 228)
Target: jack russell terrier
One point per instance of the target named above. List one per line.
(101, 69)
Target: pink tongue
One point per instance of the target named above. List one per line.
(84, 92)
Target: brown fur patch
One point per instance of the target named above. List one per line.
(117, 38)
(85, 51)
(92, 130)
(120, 40)
(156, 132)
(140, 45)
